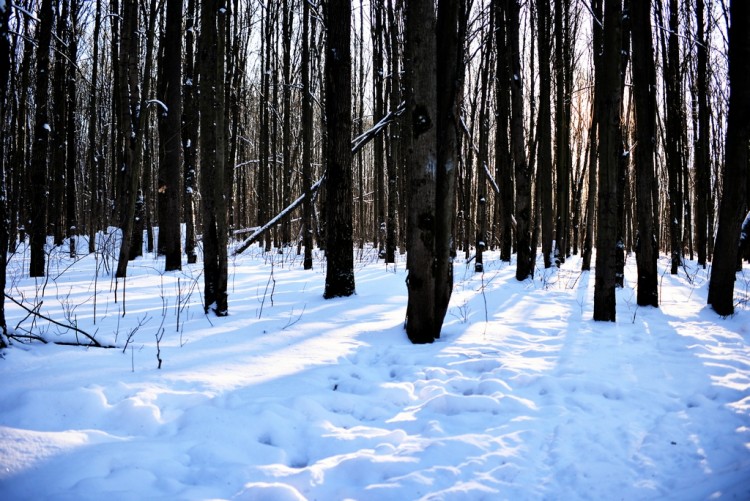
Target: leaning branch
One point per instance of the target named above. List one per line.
(357, 144)
(91, 338)
(277, 219)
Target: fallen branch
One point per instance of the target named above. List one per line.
(91, 338)
(358, 143)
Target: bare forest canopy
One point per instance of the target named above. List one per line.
(567, 125)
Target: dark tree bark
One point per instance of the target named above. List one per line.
(59, 134)
(307, 139)
(421, 109)
(564, 77)
(212, 151)
(71, 156)
(134, 115)
(702, 163)
(5, 63)
(734, 197)
(40, 149)
(610, 144)
(190, 134)
(588, 242)
(483, 148)
(340, 269)
(503, 159)
(544, 169)
(449, 46)
(524, 252)
(673, 146)
(170, 141)
(96, 188)
(394, 138)
(377, 146)
(644, 89)
(286, 190)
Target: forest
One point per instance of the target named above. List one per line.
(439, 130)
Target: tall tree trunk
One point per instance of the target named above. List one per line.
(71, 160)
(39, 179)
(524, 229)
(170, 141)
(59, 135)
(544, 172)
(213, 144)
(673, 146)
(134, 112)
(377, 144)
(5, 64)
(733, 200)
(564, 76)
(449, 78)
(610, 144)
(483, 153)
(421, 115)
(394, 142)
(588, 243)
(190, 134)
(702, 146)
(340, 269)
(96, 191)
(286, 191)
(307, 139)
(644, 89)
(503, 159)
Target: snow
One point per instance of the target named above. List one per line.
(293, 397)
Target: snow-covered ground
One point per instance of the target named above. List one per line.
(295, 397)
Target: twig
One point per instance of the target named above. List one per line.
(91, 338)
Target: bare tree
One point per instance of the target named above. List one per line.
(5, 64)
(340, 269)
(544, 172)
(170, 145)
(212, 157)
(644, 89)
(609, 157)
(734, 196)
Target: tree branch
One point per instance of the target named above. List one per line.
(91, 338)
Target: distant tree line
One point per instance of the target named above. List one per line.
(430, 127)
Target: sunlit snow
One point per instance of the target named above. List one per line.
(293, 397)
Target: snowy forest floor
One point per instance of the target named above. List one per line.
(294, 397)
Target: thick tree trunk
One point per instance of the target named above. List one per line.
(340, 269)
(503, 159)
(544, 172)
(732, 207)
(5, 63)
(588, 242)
(170, 142)
(524, 229)
(211, 69)
(134, 117)
(42, 129)
(644, 89)
(702, 146)
(421, 110)
(190, 134)
(673, 146)
(610, 144)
